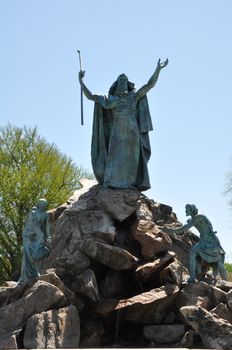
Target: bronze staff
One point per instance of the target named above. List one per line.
(82, 114)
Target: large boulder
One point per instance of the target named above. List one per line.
(113, 262)
(8, 341)
(189, 339)
(92, 333)
(216, 333)
(164, 333)
(115, 258)
(119, 204)
(149, 307)
(229, 300)
(41, 296)
(86, 284)
(173, 273)
(53, 329)
(153, 241)
(147, 270)
(226, 286)
(201, 294)
(222, 311)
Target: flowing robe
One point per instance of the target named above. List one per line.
(35, 233)
(208, 247)
(120, 143)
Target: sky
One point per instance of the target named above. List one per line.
(190, 105)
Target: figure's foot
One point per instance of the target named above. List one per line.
(191, 280)
(184, 283)
(104, 186)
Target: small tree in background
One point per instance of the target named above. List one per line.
(30, 168)
(228, 186)
(228, 267)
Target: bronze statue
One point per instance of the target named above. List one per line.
(120, 143)
(36, 235)
(208, 247)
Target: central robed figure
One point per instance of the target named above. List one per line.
(120, 142)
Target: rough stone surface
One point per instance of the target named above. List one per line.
(162, 213)
(226, 286)
(92, 334)
(53, 279)
(65, 233)
(222, 311)
(10, 284)
(145, 271)
(5, 293)
(119, 204)
(182, 243)
(86, 185)
(149, 307)
(172, 273)
(112, 285)
(12, 294)
(8, 342)
(164, 333)
(201, 294)
(215, 333)
(229, 300)
(188, 340)
(113, 261)
(41, 296)
(72, 261)
(216, 294)
(151, 238)
(53, 329)
(86, 284)
(143, 211)
(96, 222)
(116, 258)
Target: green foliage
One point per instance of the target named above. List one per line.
(228, 187)
(30, 168)
(228, 267)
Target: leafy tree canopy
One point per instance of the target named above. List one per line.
(228, 187)
(30, 168)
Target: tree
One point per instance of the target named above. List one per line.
(228, 186)
(30, 168)
(228, 267)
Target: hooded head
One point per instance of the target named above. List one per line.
(42, 204)
(121, 86)
(191, 209)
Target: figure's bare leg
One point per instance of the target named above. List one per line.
(215, 269)
(198, 267)
(222, 269)
(192, 264)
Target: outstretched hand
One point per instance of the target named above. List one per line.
(81, 74)
(167, 229)
(161, 65)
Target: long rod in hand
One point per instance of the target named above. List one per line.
(82, 112)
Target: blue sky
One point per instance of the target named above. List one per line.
(190, 105)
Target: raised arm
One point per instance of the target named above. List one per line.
(105, 102)
(152, 81)
(179, 229)
(47, 233)
(86, 91)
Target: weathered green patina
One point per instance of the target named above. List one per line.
(36, 234)
(208, 247)
(120, 143)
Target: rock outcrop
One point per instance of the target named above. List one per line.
(52, 329)
(216, 333)
(114, 279)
